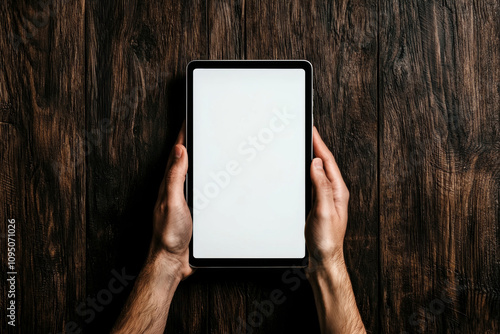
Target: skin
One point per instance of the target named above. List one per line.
(167, 264)
(325, 231)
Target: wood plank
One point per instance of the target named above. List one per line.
(340, 39)
(227, 291)
(136, 57)
(43, 184)
(226, 29)
(440, 166)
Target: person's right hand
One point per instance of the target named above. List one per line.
(327, 220)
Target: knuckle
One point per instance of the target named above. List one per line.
(323, 212)
(172, 240)
(172, 174)
(329, 158)
(324, 185)
(342, 195)
(173, 203)
(328, 193)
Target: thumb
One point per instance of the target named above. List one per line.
(176, 176)
(322, 187)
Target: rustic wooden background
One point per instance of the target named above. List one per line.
(407, 96)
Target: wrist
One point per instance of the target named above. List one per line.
(166, 264)
(327, 266)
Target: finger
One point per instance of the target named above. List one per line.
(163, 185)
(322, 188)
(176, 176)
(181, 140)
(322, 151)
(331, 169)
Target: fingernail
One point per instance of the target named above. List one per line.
(318, 163)
(178, 151)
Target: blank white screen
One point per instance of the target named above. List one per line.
(249, 163)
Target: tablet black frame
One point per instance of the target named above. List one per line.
(249, 64)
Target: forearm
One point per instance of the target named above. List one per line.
(147, 307)
(335, 302)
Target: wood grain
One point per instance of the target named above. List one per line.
(42, 106)
(226, 29)
(340, 39)
(440, 166)
(227, 289)
(136, 55)
(407, 97)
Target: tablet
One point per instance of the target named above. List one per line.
(249, 142)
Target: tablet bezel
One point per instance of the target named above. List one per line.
(249, 64)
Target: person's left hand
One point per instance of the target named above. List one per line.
(172, 223)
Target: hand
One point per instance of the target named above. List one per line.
(325, 230)
(172, 223)
(327, 220)
(147, 306)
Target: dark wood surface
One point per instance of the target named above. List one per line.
(42, 185)
(439, 86)
(407, 96)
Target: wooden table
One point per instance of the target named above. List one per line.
(407, 96)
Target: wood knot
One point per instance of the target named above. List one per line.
(6, 112)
